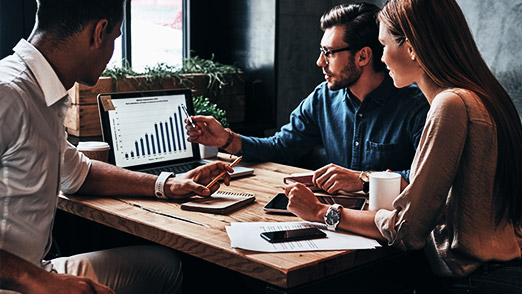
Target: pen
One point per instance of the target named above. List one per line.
(223, 173)
(188, 115)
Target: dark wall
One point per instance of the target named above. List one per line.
(16, 22)
(241, 32)
(497, 29)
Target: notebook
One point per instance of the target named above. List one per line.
(220, 202)
(146, 131)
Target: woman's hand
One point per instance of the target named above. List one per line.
(303, 203)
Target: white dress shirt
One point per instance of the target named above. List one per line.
(36, 161)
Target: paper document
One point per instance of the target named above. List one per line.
(247, 236)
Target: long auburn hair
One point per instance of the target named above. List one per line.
(446, 51)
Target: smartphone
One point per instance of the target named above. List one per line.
(279, 203)
(293, 235)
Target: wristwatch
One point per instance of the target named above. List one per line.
(333, 217)
(365, 179)
(159, 187)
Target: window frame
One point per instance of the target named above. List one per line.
(126, 33)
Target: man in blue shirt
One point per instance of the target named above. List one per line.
(362, 120)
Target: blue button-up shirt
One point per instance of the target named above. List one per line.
(381, 132)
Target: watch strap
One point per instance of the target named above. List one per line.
(229, 140)
(159, 187)
(365, 182)
(337, 208)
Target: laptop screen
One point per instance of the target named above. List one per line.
(147, 129)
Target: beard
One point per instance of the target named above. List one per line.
(346, 78)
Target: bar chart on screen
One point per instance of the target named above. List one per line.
(149, 129)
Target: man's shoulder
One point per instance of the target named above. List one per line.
(13, 73)
(322, 91)
(12, 99)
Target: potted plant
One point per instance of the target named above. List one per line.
(222, 84)
(203, 106)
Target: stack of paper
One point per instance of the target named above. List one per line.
(247, 236)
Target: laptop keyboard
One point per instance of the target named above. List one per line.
(177, 168)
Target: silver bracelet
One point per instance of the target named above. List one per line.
(159, 187)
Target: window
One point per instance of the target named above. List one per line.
(153, 32)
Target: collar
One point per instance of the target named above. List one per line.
(52, 88)
(379, 94)
(383, 91)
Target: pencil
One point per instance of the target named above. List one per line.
(223, 173)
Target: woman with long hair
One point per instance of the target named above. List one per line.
(463, 205)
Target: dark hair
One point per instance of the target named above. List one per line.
(446, 51)
(361, 29)
(65, 18)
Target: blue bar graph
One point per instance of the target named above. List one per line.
(182, 133)
(172, 131)
(149, 129)
(168, 136)
(152, 143)
(164, 137)
(177, 134)
(148, 146)
(157, 137)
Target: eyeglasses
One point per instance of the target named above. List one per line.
(327, 53)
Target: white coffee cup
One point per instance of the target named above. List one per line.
(207, 151)
(95, 150)
(384, 188)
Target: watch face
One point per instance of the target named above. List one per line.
(332, 217)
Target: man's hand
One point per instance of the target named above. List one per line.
(303, 203)
(208, 131)
(19, 275)
(195, 180)
(333, 178)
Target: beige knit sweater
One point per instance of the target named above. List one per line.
(448, 208)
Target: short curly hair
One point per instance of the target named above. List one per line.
(65, 18)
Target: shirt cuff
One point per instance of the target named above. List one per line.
(385, 223)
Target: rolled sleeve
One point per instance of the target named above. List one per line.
(76, 166)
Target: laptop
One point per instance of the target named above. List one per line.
(146, 131)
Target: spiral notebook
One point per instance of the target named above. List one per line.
(220, 202)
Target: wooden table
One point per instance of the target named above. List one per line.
(211, 243)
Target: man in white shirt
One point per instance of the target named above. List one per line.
(72, 42)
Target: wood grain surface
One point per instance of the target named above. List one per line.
(208, 239)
